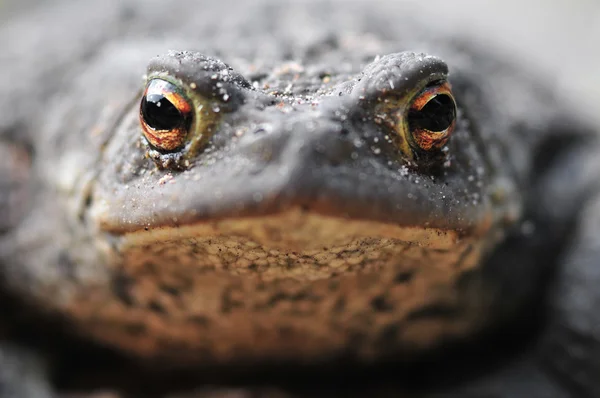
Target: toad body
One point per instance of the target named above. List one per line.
(286, 195)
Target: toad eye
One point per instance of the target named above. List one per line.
(165, 115)
(431, 118)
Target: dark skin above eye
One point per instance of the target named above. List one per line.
(422, 111)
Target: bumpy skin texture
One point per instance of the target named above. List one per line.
(300, 237)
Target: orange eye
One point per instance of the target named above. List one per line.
(165, 115)
(432, 118)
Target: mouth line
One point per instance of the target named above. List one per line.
(299, 244)
(297, 228)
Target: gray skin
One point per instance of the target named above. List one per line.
(300, 159)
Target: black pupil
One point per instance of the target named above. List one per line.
(437, 115)
(159, 113)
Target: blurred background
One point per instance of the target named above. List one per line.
(562, 37)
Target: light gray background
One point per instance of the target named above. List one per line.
(560, 37)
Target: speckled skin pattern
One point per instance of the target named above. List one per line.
(296, 231)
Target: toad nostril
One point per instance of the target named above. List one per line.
(333, 148)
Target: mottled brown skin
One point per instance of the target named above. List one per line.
(295, 225)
